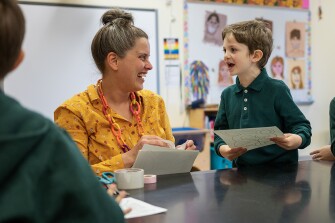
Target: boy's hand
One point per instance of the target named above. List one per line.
(323, 153)
(288, 141)
(231, 153)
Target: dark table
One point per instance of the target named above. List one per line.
(297, 193)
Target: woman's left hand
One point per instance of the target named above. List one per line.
(190, 145)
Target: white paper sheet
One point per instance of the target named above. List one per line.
(249, 138)
(139, 208)
(159, 160)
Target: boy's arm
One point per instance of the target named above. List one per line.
(221, 123)
(294, 120)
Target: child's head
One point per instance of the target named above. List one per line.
(255, 35)
(117, 35)
(12, 29)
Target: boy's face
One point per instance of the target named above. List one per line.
(236, 56)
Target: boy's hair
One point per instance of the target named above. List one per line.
(255, 34)
(12, 29)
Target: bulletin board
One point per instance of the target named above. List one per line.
(58, 62)
(205, 53)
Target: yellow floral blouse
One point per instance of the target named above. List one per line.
(84, 120)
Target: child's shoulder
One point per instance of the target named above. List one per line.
(276, 83)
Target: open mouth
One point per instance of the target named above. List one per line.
(230, 65)
(142, 75)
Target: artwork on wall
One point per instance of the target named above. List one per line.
(199, 80)
(300, 4)
(291, 48)
(171, 48)
(296, 71)
(224, 77)
(295, 39)
(214, 24)
(277, 68)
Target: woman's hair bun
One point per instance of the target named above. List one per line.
(116, 15)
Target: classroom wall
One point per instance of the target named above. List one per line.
(323, 48)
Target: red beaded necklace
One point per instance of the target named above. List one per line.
(135, 109)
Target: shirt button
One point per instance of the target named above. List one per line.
(245, 91)
(117, 163)
(245, 100)
(245, 108)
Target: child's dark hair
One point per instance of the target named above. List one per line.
(255, 34)
(12, 29)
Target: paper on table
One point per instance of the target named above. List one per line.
(139, 208)
(159, 160)
(249, 138)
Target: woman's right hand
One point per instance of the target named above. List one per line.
(231, 153)
(130, 156)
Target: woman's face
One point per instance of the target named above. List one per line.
(277, 69)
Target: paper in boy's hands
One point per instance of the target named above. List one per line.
(249, 138)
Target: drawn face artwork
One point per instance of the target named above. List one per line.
(277, 69)
(224, 72)
(224, 79)
(295, 42)
(296, 78)
(212, 24)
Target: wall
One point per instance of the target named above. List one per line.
(166, 11)
(323, 48)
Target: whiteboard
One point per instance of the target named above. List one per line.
(58, 62)
(211, 54)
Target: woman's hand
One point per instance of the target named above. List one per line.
(130, 156)
(188, 145)
(288, 141)
(231, 153)
(323, 153)
(112, 191)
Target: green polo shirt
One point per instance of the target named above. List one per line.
(265, 102)
(43, 176)
(332, 124)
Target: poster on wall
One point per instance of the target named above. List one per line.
(291, 47)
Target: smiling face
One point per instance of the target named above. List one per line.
(134, 66)
(236, 56)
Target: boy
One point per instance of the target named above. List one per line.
(43, 176)
(256, 100)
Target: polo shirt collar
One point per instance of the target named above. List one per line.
(256, 85)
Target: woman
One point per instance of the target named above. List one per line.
(112, 120)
